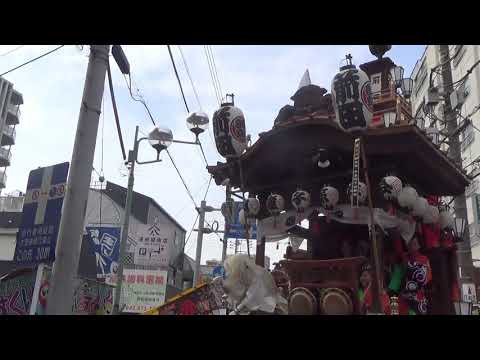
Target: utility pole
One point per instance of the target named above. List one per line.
(228, 198)
(132, 158)
(198, 255)
(464, 252)
(67, 253)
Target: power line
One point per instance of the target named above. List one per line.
(115, 112)
(32, 60)
(140, 97)
(215, 72)
(11, 51)
(178, 78)
(190, 77)
(210, 68)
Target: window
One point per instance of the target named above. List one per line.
(468, 136)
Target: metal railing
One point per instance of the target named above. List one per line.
(11, 203)
(9, 130)
(5, 153)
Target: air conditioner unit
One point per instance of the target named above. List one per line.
(457, 98)
(432, 97)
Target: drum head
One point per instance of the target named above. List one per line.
(335, 301)
(302, 302)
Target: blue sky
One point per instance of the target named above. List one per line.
(262, 78)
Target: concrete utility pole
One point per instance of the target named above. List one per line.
(464, 253)
(60, 296)
(198, 254)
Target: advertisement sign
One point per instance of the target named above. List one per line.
(142, 290)
(42, 209)
(205, 299)
(90, 297)
(468, 293)
(153, 247)
(16, 294)
(106, 245)
(236, 230)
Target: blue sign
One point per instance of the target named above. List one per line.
(218, 271)
(42, 209)
(106, 245)
(236, 230)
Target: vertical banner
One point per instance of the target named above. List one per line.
(355, 173)
(153, 246)
(106, 245)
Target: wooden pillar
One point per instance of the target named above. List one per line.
(260, 254)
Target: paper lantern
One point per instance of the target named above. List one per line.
(252, 206)
(446, 219)
(362, 192)
(407, 197)
(432, 215)
(301, 200)
(352, 99)
(329, 197)
(275, 204)
(420, 207)
(390, 187)
(229, 130)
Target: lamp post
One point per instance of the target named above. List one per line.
(397, 75)
(160, 139)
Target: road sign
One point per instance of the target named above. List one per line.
(42, 209)
(153, 246)
(236, 230)
(106, 245)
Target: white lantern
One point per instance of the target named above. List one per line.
(300, 200)
(446, 219)
(352, 98)
(420, 207)
(407, 197)
(329, 197)
(229, 130)
(252, 206)
(391, 187)
(432, 215)
(362, 192)
(275, 204)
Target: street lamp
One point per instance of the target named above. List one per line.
(160, 139)
(407, 86)
(397, 75)
(459, 228)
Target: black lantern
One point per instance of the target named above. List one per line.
(407, 86)
(459, 229)
(397, 75)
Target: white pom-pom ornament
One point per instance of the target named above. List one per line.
(275, 204)
(252, 206)
(407, 197)
(362, 192)
(391, 187)
(420, 207)
(329, 197)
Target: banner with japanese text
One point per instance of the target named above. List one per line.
(106, 246)
(153, 246)
(142, 290)
(16, 293)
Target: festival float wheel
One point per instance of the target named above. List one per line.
(334, 301)
(302, 302)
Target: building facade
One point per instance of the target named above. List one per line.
(468, 93)
(10, 101)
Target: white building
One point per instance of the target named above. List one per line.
(467, 56)
(10, 101)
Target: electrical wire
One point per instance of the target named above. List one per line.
(140, 97)
(178, 78)
(215, 71)
(210, 68)
(11, 51)
(115, 112)
(190, 78)
(32, 60)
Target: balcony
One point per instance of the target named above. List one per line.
(8, 137)
(16, 98)
(3, 180)
(13, 114)
(5, 156)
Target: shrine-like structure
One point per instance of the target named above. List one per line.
(308, 150)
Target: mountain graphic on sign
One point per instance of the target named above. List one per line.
(154, 230)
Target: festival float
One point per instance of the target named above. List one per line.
(372, 187)
(371, 184)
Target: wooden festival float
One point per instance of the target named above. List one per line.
(341, 162)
